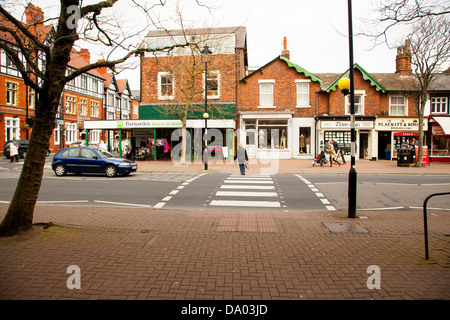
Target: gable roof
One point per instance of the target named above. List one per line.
(290, 64)
(366, 76)
(77, 62)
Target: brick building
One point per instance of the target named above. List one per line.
(287, 112)
(166, 88)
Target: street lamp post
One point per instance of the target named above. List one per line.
(348, 86)
(205, 52)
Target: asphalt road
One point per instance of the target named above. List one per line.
(214, 191)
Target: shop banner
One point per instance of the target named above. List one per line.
(425, 158)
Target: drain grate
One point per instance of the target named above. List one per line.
(344, 227)
(136, 239)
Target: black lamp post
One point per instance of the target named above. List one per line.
(348, 85)
(205, 53)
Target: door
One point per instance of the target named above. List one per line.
(384, 145)
(363, 145)
(90, 161)
(250, 141)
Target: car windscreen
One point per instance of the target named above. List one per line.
(104, 153)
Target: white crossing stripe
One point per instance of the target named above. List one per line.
(234, 203)
(246, 194)
(249, 181)
(234, 186)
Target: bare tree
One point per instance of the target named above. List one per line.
(73, 23)
(398, 13)
(430, 54)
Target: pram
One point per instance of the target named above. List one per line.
(321, 159)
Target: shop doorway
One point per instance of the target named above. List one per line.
(364, 145)
(384, 145)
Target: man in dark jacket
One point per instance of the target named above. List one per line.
(241, 156)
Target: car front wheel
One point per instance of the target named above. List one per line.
(60, 170)
(111, 171)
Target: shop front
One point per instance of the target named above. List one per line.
(439, 138)
(395, 134)
(267, 135)
(162, 139)
(338, 128)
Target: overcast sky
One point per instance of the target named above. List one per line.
(316, 31)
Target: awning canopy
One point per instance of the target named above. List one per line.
(444, 122)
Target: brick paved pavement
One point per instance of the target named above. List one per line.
(141, 253)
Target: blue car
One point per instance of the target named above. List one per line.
(91, 160)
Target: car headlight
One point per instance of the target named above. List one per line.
(125, 164)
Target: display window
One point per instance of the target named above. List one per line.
(343, 138)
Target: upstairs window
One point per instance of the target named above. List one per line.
(266, 94)
(359, 103)
(397, 106)
(166, 86)
(439, 105)
(302, 94)
(213, 84)
(11, 93)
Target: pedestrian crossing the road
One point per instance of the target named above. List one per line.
(247, 191)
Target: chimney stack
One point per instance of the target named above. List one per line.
(403, 60)
(102, 70)
(34, 15)
(85, 54)
(285, 52)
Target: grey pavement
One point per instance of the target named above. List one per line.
(156, 254)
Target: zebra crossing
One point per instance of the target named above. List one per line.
(247, 191)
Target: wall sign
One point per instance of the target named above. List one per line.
(403, 124)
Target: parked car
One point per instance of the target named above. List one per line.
(22, 148)
(90, 160)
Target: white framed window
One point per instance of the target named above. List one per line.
(266, 90)
(11, 93)
(213, 85)
(83, 107)
(71, 106)
(71, 132)
(31, 98)
(95, 86)
(166, 86)
(83, 82)
(439, 105)
(94, 136)
(12, 127)
(359, 103)
(94, 109)
(397, 106)
(303, 100)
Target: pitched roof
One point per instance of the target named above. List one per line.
(239, 32)
(290, 64)
(77, 62)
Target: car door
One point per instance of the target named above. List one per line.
(90, 161)
(72, 159)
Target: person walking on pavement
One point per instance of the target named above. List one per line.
(14, 152)
(241, 156)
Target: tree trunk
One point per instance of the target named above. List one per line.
(19, 216)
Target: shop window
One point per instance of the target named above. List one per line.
(343, 139)
(439, 105)
(397, 106)
(272, 134)
(305, 140)
(266, 95)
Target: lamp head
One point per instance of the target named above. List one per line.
(344, 85)
(206, 115)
